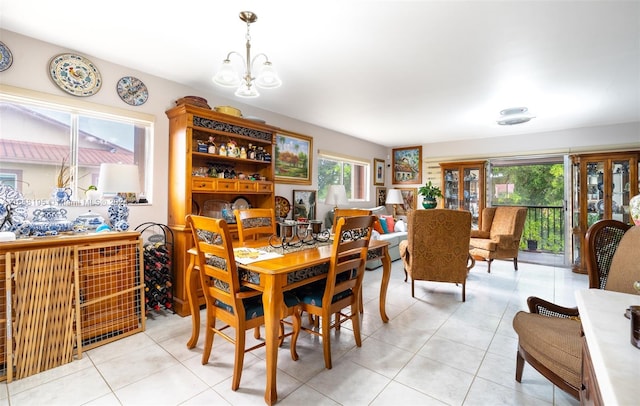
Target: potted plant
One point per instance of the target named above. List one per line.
(429, 193)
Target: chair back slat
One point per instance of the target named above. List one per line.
(255, 223)
(602, 241)
(350, 246)
(216, 263)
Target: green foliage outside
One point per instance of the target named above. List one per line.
(333, 173)
(536, 186)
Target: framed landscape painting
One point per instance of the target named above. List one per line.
(293, 158)
(378, 170)
(407, 165)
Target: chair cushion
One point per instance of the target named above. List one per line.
(483, 243)
(312, 293)
(253, 306)
(554, 342)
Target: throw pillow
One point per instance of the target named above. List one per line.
(377, 227)
(391, 224)
(400, 227)
(383, 224)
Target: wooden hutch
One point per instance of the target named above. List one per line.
(200, 179)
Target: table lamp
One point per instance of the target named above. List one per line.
(394, 197)
(336, 195)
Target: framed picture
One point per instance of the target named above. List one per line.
(378, 168)
(407, 165)
(293, 158)
(381, 195)
(304, 204)
(410, 198)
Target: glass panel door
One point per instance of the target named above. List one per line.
(451, 199)
(471, 193)
(596, 204)
(620, 190)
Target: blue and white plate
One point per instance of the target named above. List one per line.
(6, 57)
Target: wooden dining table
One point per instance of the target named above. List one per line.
(274, 279)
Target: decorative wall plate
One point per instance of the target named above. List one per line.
(75, 74)
(6, 57)
(282, 207)
(132, 91)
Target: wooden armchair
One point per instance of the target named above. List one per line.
(549, 337)
(437, 246)
(500, 235)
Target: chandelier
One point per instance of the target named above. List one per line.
(266, 77)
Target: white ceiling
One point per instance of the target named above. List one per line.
(393, 72)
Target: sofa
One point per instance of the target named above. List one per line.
(393, 232)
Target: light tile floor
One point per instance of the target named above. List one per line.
(436, 350)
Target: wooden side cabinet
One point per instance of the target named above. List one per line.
(67, 294)
(589, 392)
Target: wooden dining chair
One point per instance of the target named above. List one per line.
(342, 287)
(255, 223)
(339, 213)
(226, 299)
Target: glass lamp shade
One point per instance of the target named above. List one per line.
(268, 77)
(227, 76)
(247, 91)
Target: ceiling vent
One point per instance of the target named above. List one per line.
(514, 115)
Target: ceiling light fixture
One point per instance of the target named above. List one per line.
(227, 76)
(514, 115)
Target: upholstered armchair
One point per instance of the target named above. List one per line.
(437, 246)
(499, 237)
(550, 335)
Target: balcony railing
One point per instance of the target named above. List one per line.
(544, 225)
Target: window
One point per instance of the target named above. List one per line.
(40, 135)
(353, 173)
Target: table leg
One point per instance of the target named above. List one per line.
(193, 278)
(273, 302)
(386, 276)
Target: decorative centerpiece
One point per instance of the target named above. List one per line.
(429, 193)
(50, 220)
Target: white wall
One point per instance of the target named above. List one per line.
(30, 71)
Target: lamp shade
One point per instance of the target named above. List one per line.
(394, 196)
(336, 195)
(227, 76)
(118, 178)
